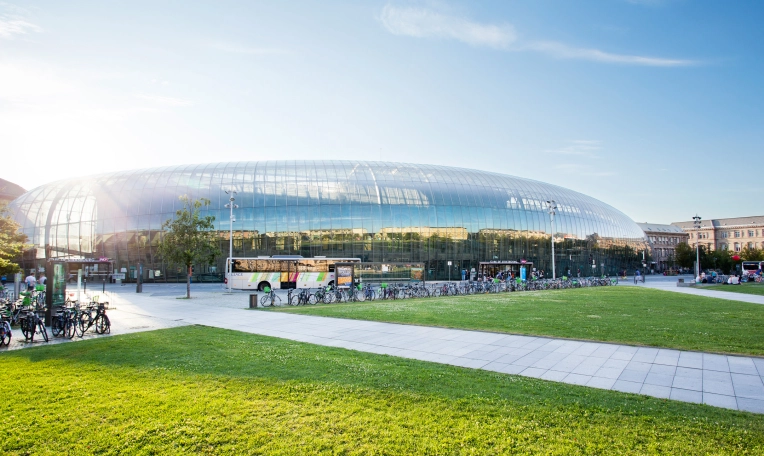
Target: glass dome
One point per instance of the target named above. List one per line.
(376, 211)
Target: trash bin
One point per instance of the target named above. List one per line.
(253, 301)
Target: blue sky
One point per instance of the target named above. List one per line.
(653, 106)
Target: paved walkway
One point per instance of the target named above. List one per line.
(734, 382)
(669, 284)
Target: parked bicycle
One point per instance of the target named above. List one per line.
(270, 298)
(93, 316)
(5, 326)
(32, 323)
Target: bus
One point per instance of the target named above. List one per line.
(288, 271)
(750, 268)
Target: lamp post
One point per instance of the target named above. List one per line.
(696, 222)
(231, 206)
(552, 207)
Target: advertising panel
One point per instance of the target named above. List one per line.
(344, 275)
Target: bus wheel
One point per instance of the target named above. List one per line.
(262, 286)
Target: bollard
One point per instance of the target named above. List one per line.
(253, 301)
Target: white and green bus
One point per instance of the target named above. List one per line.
(285, 271)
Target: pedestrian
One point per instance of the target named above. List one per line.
(3, 279)
(579, 273)
(30, 281)
(43, 280)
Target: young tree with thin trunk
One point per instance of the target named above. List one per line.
(190, 238)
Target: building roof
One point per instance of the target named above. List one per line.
(660, 228)
(329, 194)
(735, 222)
(10, 191)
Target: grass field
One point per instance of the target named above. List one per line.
(629, 315)
(205, 390)
(747, 288)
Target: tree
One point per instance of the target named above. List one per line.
(12, 242)
(189, 238)
(754, 254)
(684, 255)
(718, 259)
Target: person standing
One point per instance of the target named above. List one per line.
(43, 280)
(30, 281)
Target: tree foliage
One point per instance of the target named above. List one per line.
(189, 238)
(717, 259)
(684, 255)
(12, 242)
(754, 254)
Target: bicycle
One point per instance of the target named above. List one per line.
(63, 323)
(5, 327)
(31, 324)
(269, 298)
(302, 298)
(94, 316)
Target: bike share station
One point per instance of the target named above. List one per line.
(60, 270)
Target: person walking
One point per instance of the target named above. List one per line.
(43, 280)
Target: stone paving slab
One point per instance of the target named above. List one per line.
(733, 382)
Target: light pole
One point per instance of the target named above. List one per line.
(552, 207)
(696, 222)
(231, 206)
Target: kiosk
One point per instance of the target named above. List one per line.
(60, 270)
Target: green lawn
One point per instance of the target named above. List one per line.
(747, 288)
(198, 390)
(630, 315)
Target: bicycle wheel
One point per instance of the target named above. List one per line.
(294, 300)
(276, 300)
(25, 329)
(69, 328)
(102, 324)
(5, 333)
(312, 299)
(83, 324)
(43, 331)
(360, 296)
(328, 298)
(56, 326)
(265, 301)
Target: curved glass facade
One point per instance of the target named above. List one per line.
(376, 211)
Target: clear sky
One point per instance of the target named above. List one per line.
(653, 106)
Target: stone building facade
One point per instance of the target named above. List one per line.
(727, 234)
(663, 240)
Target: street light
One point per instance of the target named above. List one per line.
(231, 206)
(696, 222)
(552, 207)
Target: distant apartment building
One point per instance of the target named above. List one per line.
(727, 234)
(663, 240)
